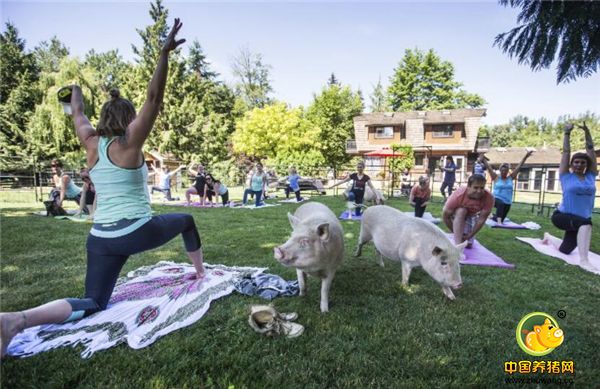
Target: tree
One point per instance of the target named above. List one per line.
(51, 133)
(333, 80)
(110, 66)
(283, 135)
(566, 30)
(18, 96)
(253, 85)
(49, 54)
(333, 112)
(198, 64)
(379, 99)
(423, 81)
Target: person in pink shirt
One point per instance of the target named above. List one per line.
(467, 209)
(420, 194)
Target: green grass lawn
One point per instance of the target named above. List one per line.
(377, 332)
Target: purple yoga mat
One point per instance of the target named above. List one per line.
(478, 255)
(197, 205)
(346, 216)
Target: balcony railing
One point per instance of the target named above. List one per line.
(351, 146)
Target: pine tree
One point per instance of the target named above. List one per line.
(423, 81)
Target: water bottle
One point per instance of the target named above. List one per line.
(64, 97)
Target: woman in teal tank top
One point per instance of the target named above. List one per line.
(503, 186)
(123, 224)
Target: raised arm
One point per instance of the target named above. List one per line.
(515, 171)
(589, 149)
(140, 127)
(566, 151)
(85, 132)
(493, 174)
(191, 170)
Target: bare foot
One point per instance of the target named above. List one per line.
(546, 239)
(587, 265)
(10, 324)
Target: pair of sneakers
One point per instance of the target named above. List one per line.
(265, 319)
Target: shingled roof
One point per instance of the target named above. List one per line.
(513, 155)
(443, 116)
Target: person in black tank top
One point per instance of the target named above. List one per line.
(359, 183)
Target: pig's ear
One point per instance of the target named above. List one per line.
(462, 246)
(436, 251)
(323, 231)
(294, 221)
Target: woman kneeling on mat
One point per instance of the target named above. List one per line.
(574, 214)
(503, 186)
(123, 223)
(419, 197)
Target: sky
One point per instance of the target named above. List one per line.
(305, 41)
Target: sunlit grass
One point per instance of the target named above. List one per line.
(378, 332)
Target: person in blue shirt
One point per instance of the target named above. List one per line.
(123, 222)
(164, 181)
(257, 186)
(503, 186)
(449, 176)
(293, 186)
(578, 182)
(479, 166)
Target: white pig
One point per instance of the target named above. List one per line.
(370, 196)
(413, 242)
(316, 247)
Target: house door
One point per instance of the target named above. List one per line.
(459, 160)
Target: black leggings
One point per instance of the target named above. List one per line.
(570, 224)
(106, 256)
(449, 185)
(419, 208)
(501, 210)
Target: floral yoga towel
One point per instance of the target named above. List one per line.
(150, 302)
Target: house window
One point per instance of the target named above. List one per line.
(442, 131)
(384, 132)
(419, 160)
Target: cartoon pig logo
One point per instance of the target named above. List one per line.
(538, 334)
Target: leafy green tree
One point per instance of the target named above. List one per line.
(568, 31)
(51, 131)
(283, 135)
(423, 81)
(16, 66)
(333, 112)
(49, 54)
(252, 79)
(404, 160)
(111, 67)
(378, 98)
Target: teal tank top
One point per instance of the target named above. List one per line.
(503, 189)
(121, 193)
(257, 182)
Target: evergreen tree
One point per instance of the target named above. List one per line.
(566, 30)
(423, 81)
(198, 64)
(111, 67)
(379, 99)
(333, 80)
(18, 96)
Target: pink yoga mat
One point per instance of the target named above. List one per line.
(197, 205)
(346, 216)
(571, 259)
(478, 255)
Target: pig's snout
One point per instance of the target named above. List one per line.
(278, 253)
(457, 286)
